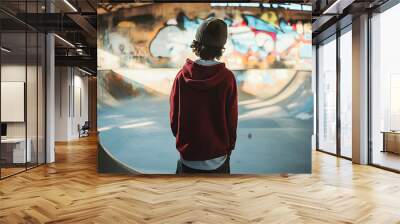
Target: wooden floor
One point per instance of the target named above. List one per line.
(70, 191)
(387, 159)
(5, 172)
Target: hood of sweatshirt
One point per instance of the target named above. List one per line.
(203, 76)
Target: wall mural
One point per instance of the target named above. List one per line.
(142, 47)
(254, 41)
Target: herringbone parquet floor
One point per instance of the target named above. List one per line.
(70, 191)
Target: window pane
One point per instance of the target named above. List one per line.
(327, 97)
(386, 89)
(346, 94)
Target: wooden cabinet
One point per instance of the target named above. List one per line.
(391, 142)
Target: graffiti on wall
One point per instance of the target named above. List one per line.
(142, 47)
(261, 41)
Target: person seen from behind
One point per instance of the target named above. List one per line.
(204, 106)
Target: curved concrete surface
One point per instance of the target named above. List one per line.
(274, 135)
(107, 163)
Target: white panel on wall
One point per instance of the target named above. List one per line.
(12, 101)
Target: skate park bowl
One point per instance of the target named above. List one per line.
(141, 48)
(274, 129)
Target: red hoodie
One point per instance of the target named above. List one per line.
(204, 111)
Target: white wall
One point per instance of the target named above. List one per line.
(80, 110)
(12, 73)
(61, 103)
(71, 94)
(33, 127)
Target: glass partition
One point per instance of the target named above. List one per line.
(13, 105)
(22, 87)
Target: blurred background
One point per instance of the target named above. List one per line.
(141, 47)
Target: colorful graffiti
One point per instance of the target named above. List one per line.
(263, 40)
(142, 47)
